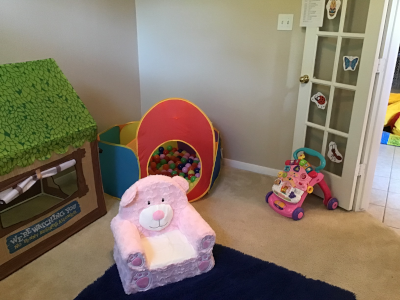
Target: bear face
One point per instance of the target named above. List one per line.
(153, 203)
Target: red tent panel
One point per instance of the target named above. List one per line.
(179, 120)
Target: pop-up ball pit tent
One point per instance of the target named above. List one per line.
(126, 150)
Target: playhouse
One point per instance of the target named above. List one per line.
(126, 150)
(50, 182)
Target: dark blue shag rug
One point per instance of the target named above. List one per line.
(235, 276)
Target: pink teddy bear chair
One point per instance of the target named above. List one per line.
(159, 237)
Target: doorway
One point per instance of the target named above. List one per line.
(385, 192)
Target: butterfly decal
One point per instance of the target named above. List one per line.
(350, 63)
(320, 100)
(332, 8)
(334, 154)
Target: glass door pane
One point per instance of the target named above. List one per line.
(317, 114)
(325, 58)
(349, 61)
(356, 16)
(342, 107)
(314, 139)
(335, 154)
(331, 25)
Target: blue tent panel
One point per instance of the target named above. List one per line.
(119, 168)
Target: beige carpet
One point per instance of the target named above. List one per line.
(350, 250)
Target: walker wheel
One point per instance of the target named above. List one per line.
(298, 214)
(332, 204)
(267, 196)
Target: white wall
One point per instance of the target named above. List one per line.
(227, 57)
(93, 41)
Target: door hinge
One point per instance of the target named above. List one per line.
(360, 170)
(380, 65)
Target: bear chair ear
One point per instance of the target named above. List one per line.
(129, 195)
(182, 182)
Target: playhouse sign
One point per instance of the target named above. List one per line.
(45, 226)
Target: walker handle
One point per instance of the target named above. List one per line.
(313, 153)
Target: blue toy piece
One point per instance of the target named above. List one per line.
(313, 153)
(118, 164)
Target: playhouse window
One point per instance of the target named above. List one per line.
(40, 197)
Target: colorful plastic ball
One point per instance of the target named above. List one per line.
(197, 175)
(170, 170)
(174, 172)
(164, 171)
(190, 161)
(197, 170)
(187, 155)
(193, 179)
(179, 157)
(181, 166)
(184, 170)
(191, 172)
(196, 160)
(176, 153)
(165, 167)
(188, 165)
(183, 160)
(190, 175)
(170, 162)
(172, 166)
(155, 153)
(194, 165)
(180, 150)
(157, 158)
(184, 151)
(171, 153)
(191, 157)
(158, 165)
(165, 152)
(163, 161)
(182, 174)
(199, 165)
(161, 149)
(169, 148)
(162, 156)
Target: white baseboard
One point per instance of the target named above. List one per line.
(250, 167)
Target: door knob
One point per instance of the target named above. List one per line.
(304, 79)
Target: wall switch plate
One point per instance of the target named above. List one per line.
(285, 22)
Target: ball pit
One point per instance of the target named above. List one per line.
(127, 148)
(172, 162)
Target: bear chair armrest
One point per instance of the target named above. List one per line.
(127, 240)
(196, 230)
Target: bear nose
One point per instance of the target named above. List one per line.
(158, 215)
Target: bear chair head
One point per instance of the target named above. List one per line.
(154, 204)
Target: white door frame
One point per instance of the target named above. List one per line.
(388, 56)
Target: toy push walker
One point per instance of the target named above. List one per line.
(295, 182)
